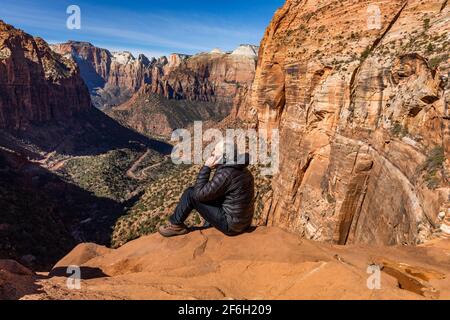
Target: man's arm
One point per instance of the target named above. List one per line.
(206, 190)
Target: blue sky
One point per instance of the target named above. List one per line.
(151, 27)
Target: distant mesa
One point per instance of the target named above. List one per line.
(246, 50)
(145, 60)
(181, 55)
(175, 60)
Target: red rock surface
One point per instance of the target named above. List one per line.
(36, 84)
(15, 280)
(266, 264)
(154, 115)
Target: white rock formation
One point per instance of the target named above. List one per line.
(217, 51)
(123, 57)
(246, 50)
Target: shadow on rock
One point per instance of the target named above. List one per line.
(86, 273)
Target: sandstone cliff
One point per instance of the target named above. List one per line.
(185, 89)
(363, 115)
(154, 115)
(114, 77)
(36, 84)
(213, 77)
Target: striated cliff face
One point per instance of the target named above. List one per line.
(63, 163)
(184, 89)
(95, 63)
(363, 115)
(212, 77)
(113, 78)
(36, 84)
(154, 115)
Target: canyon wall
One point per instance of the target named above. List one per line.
(359, 92)
(36, 84)
(49, 136)
(186, 89)
(155, 115)
(212, 77)
(113, 77)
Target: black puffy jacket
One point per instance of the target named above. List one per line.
(233, 187)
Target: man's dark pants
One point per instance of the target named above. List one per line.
(211, 212)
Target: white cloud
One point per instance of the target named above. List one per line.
(142, 38)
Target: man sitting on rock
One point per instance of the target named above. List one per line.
(226, 202)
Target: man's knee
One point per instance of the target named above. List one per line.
(189, 194)
(190, 191)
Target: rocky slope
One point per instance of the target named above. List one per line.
(154, 115)
(71, 189)
(267, 263)
(36, 84)
(362, 111)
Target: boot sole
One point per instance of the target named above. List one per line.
(173, 234)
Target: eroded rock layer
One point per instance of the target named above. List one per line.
(360, 95)
(214, 77)
(113, 77)
(154, 115)
(36, 84)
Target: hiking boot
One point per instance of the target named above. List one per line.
(172, 230)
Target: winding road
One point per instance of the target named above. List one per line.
(131, 172)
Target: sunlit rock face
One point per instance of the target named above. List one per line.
(267, 263)
(113, 77)
(184, 89)
(205, 77)
(246, 50)
(360, 96)
(36, 85)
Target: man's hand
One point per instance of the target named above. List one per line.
(212, 162)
